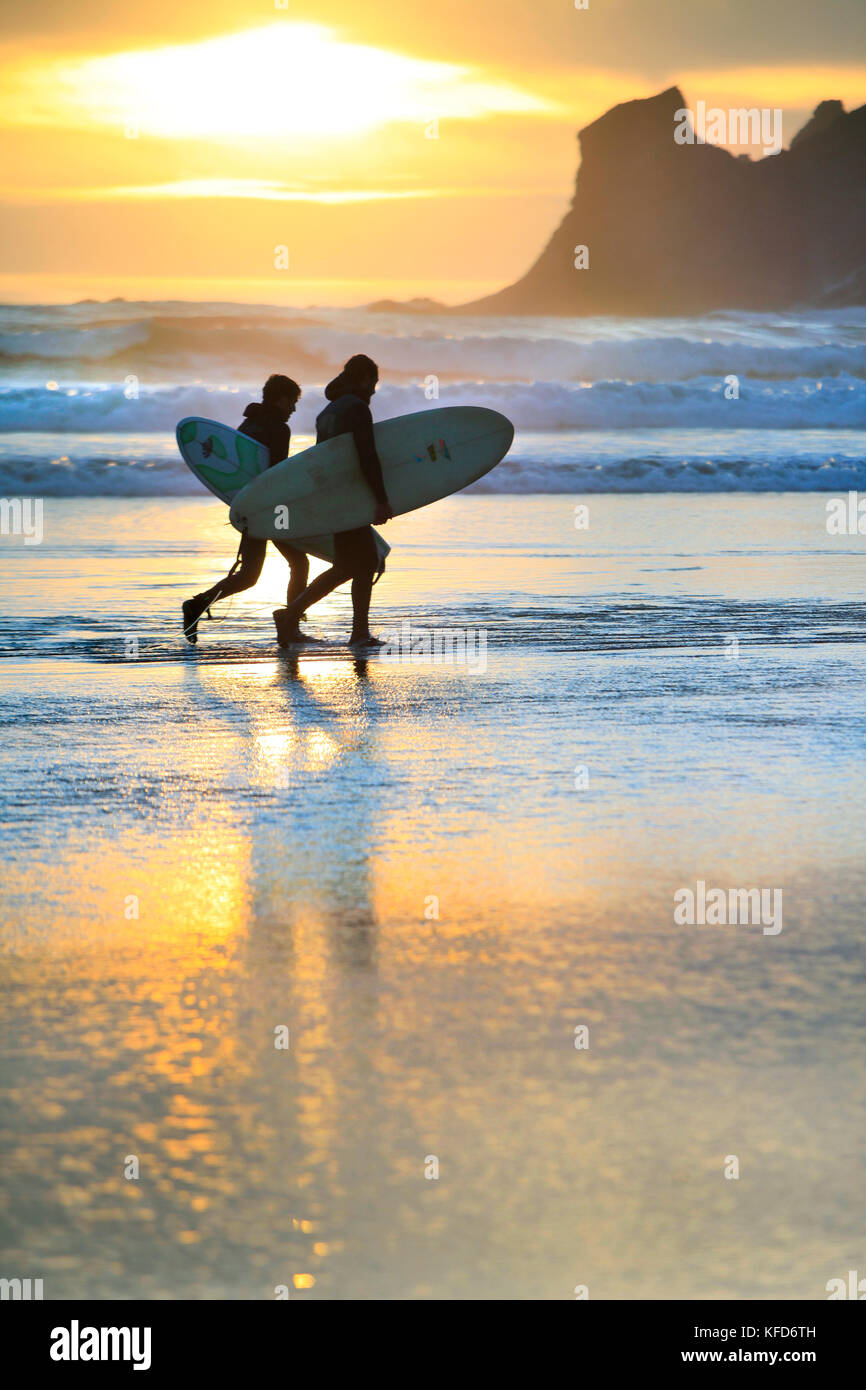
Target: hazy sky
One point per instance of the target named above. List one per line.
(170, 149)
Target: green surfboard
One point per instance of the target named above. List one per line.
(225, 461)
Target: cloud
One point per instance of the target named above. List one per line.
(280, 81)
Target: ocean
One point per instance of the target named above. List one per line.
(732, 402)
(366, 978)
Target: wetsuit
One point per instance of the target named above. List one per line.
(267, 427)
(354, 551)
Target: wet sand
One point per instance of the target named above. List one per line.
(431, 875)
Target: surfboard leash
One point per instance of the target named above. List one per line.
(224, 616)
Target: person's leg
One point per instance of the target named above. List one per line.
(362, 588)
(355, 558)
(287, 619)
(356, 550)
(299, 573)
(299, 569)
(252, 557)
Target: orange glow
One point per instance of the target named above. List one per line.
(386, 156)
(237, 86)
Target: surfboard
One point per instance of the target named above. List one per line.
(425, 456)
(226, 461)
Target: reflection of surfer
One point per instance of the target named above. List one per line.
(267, 423)
(355, 553)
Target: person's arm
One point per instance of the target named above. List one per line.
(279, 445)
(360, 421)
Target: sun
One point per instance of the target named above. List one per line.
(283, 80)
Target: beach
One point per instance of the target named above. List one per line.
(513, 951)
(372, 967)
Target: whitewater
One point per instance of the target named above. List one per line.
(728, 402)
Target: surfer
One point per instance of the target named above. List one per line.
(355, 553)
(266, 421)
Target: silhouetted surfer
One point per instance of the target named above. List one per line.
(355, 553)
(267, 423)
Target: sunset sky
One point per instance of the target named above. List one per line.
(167, 150)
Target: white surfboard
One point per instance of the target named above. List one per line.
(226, 460)
(424, 456)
